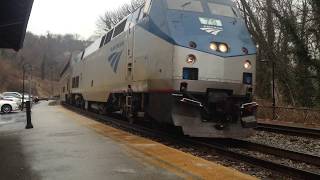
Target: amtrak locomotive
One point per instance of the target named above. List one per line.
(188, 63)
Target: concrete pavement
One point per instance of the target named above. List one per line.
(58, 148)
(65, 145)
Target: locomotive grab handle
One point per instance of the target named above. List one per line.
(187, 100)
(249, 104)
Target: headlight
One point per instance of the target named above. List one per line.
(213, 46)
(191, 59)
(247, 64)
(220, 47)
(223, 48)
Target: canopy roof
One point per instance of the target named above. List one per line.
(14, 17)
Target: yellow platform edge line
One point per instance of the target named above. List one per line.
(182, 164)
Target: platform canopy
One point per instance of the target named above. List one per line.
(14, 17)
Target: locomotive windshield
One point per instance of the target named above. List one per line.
(196, 6)
(222, 10)
(185, 5)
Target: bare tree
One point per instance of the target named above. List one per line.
(287, 33)
(113, 17)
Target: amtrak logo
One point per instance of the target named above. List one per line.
(114, 59)
(212, 30)
(211, 25)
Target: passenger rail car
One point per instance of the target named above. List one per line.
(188, 63)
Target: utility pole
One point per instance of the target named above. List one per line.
(28, 103)
(23, 82)
(273, 92)
(23, 74)
(273, 88)
(52, 91)
(30, 86)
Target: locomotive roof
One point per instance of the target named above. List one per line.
(96, 44)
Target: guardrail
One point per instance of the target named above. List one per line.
(290, 114)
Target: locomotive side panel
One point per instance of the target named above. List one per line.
(105, 70)
(152, 61)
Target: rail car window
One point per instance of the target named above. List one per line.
(75, 82)
(222, 10)
(120, 28)
(82, 55)
(185, 5)
(108, 37)
(102, 41)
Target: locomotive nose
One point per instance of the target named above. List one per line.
(207, 67)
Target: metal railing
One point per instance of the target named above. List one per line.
(290, 114)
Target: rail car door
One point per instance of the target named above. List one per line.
(133, 20)
(130, 43)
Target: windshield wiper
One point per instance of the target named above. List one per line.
(186, 4)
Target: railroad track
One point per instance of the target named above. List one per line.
(296, 131)
(283, 153)
(220, 147)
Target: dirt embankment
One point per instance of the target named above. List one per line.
(11, 80)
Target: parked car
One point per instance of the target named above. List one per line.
(15, 99)
(7, 106)
(17, 95)
(35, 99)
(14, 94)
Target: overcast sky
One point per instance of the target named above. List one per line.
(69, 16)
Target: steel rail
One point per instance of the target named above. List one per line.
(284, 153)
(220, 149)
(297, 131)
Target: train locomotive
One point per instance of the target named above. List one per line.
(187, 63)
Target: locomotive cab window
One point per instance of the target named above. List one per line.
(120, 28)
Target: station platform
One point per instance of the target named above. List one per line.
(65, 145)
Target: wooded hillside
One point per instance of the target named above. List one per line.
(47, 55)
(287, 33)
